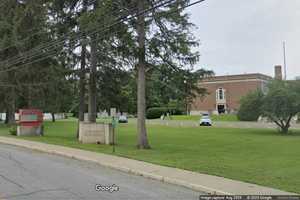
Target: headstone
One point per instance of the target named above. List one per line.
(113, 112)
(86, 117)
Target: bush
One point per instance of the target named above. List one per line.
(251, 106)
(13, 130)
(156, 113)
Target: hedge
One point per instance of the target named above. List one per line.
(157, 112)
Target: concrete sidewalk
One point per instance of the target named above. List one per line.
(192, 180)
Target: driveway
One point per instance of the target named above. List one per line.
(220, 124)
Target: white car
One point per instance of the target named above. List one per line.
(123, 119)
(205, 120)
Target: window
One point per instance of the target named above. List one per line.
(220, 93)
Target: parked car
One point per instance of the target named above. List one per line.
(123, 119)
(205, 120)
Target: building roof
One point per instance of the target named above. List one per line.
(237, 77)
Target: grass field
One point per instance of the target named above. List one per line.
(260, 156)
(227, 117)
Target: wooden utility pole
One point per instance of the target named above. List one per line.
(141, 107)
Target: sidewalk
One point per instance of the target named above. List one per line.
(192, 180)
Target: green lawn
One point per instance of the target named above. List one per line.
(227, 117)
(253, 155)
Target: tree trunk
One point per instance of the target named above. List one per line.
(82, 74)
(82, 85)
(92, 82)
(82, 110)
(53, 117)
(29, 102)
(141, 123)
(286, 126)
(284, 130)
(6, 117)
(10, 117)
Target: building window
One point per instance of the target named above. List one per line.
(220, 94)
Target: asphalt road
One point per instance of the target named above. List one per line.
(26, 174)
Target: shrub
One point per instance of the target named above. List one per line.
(251, 106)
(156, 113)
(13, 130)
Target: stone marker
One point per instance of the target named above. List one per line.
(113, 112)
(95, 133)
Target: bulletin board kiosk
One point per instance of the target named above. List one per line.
(30, 122)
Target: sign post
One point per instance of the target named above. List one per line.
(114, 125)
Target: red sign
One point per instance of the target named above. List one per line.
(31, 117)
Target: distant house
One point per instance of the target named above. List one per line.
(225, 92)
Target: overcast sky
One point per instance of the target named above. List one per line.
(246, 36)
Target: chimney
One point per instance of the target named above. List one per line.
(278, 72)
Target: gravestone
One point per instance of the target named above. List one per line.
(113, 112)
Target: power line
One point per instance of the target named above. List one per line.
(47, 83)
(126, 19)
(35, 34)
(44, 46)
(52, 45)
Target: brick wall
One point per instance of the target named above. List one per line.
(234, 90)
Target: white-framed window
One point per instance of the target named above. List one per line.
(220, 94)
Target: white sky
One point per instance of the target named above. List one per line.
(246, 36)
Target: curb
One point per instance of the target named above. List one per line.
(195, 187)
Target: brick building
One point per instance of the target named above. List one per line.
(225, 92)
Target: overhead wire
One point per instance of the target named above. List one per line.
(44, 46)
(34, 33)
(39, 84)
(125, 18)
(111, 33)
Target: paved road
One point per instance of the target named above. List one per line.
(26, 174)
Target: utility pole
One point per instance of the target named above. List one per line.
(284, 61)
